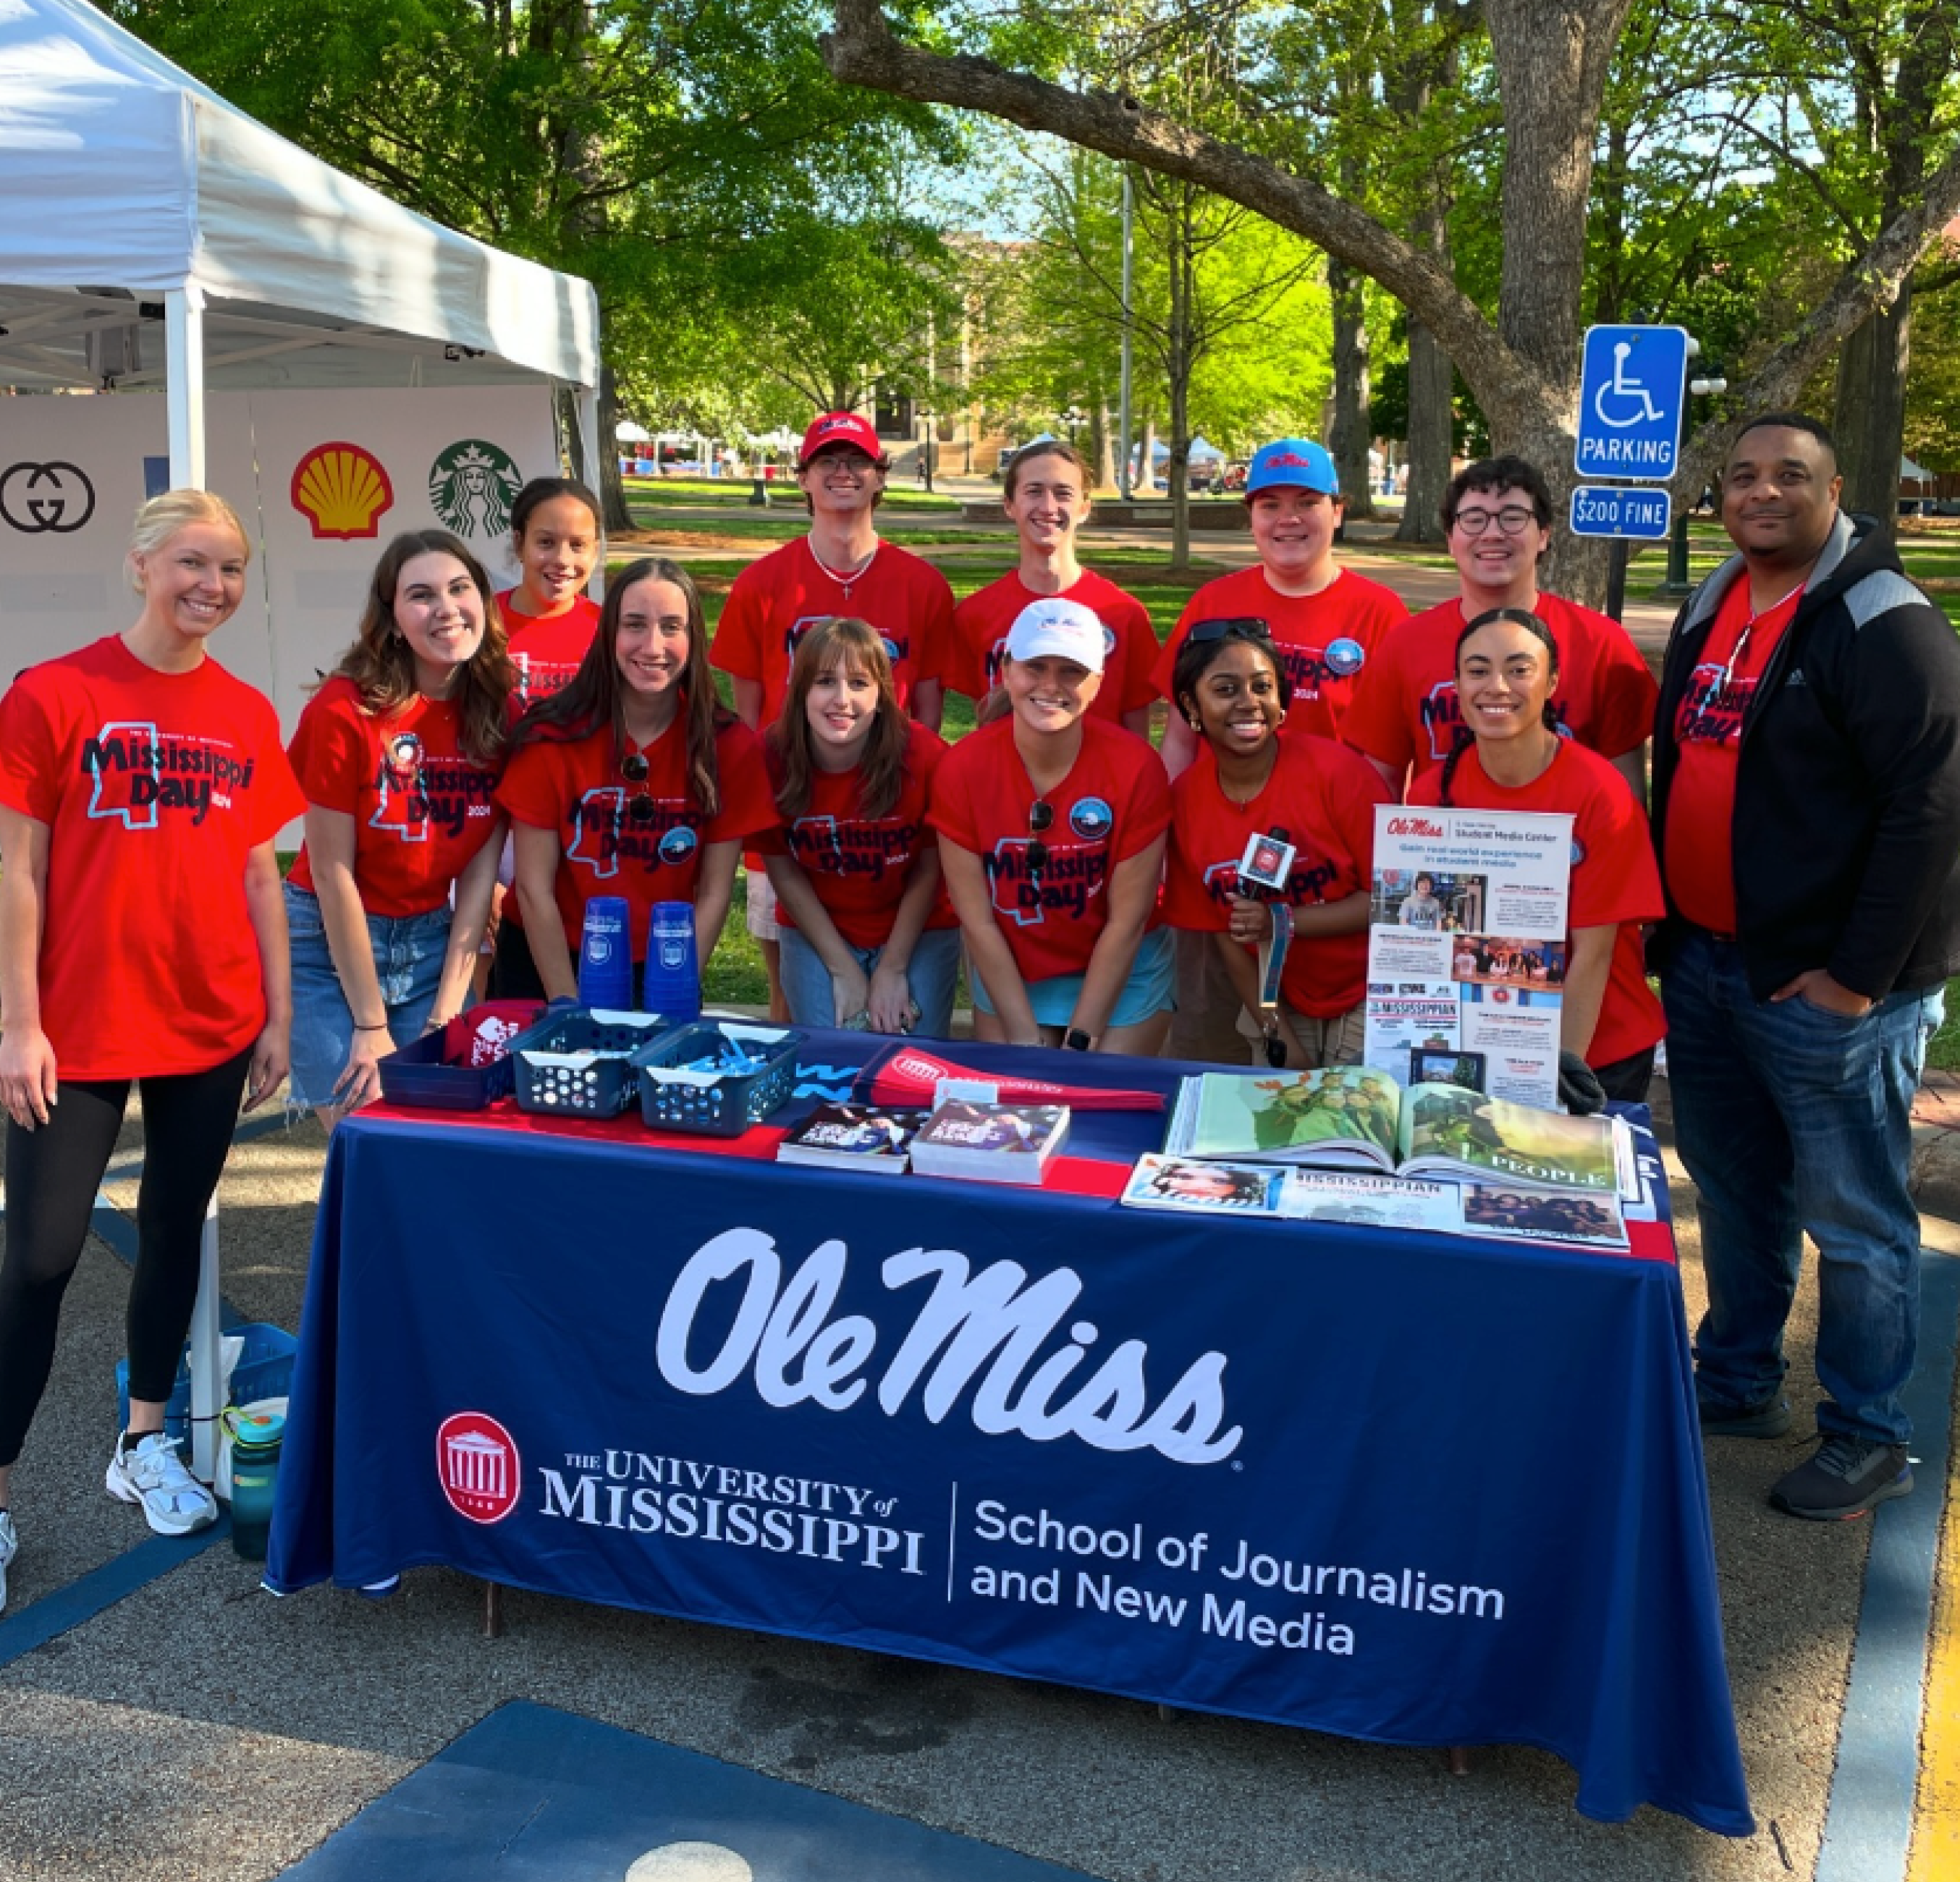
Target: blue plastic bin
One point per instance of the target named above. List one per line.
(264, 1371)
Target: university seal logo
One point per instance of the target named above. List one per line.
(472, 486)
(477, 1463)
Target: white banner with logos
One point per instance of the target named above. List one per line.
(328, 477)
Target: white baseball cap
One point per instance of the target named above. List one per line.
(1065, 630)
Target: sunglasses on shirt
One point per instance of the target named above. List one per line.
(640, 807)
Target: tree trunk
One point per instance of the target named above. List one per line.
(1179, 352)
(1432, 436)
(1348, 436)
(1870, 411)
(612, 487)
(1105, 455)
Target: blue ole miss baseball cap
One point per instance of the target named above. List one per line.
(1292, 461)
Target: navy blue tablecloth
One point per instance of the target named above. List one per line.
(1402, 1487)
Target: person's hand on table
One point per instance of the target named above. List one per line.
(360, 1083)
(28, 1083)
(890, 1003)
(1817, 985)
(850, 993)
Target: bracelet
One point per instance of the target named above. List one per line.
(382, 1028)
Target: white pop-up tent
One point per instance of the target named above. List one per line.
(133, 197)
(137, 207)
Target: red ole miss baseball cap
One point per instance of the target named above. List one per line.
(833, 428)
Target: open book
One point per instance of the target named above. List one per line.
(1352, 1117)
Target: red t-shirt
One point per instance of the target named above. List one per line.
(548, 647)
(980, 625)
(1700, 857)
(1114, 803)
(420, 809)
(859, 865)
(1326, 640)
(1323, 796)
(776, 601)
(155, 788)
(1614, 881)
(1404, 711)
(574, 788)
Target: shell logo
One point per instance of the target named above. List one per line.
(341, 490)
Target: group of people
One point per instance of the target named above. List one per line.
(1802, 878)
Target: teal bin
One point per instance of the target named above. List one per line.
(264, 1371)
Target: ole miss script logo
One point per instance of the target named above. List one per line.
(477, 1463)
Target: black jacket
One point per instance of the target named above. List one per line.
(1847, 824)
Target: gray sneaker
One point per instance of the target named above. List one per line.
(148, 1471)
(1768, 1418)
(1846, 1477)
(10, 1547)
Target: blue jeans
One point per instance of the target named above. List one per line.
(408, 954)
(930, 974)
(1791, 1117)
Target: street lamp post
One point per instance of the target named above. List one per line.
(1677, 582)
(1074, 418)
(925, 451)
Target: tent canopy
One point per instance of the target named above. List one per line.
(124, 179)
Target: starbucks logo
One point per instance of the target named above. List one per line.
(472, 486)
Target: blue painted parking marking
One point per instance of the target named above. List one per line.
(534, 1792)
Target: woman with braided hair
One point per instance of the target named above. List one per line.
(1509, 756)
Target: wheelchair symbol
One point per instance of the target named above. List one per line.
(1623, 390)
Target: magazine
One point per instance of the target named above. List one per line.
(990, 1143)
(1354, 1117)
(853, 1137)
(1360, 1199)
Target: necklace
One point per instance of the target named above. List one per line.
(1719, 685)
(844, 579)
(1225, 790)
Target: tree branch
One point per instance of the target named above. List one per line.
(862, 50)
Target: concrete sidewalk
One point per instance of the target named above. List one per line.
(188, 1725)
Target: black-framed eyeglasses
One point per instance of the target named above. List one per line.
(1513, 519)
(1041, 817)
(1233, 627)
(640, 807)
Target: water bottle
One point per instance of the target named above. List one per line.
(256, 1437)
(672, 987)
(606, 955)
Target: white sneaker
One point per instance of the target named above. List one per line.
(10, 1547)
(148, 1471)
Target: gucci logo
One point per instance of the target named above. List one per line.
(47, 499)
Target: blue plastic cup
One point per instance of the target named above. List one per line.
(606, 955)
(672, 987)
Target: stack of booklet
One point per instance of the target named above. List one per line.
(961, 1137)
(1434, 1156)
(854, 1137)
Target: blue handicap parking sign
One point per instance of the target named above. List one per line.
(1632, 388)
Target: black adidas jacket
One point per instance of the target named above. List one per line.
(1847, 788)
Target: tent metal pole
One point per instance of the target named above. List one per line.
(183, 348)
(590, 446)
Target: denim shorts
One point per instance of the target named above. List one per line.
(933, 970)
(1150, 990)
(409, 954)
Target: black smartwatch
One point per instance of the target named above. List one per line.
(1076, 1040)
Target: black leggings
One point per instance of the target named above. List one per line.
(53, 1172)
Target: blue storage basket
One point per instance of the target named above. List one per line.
(715, 1103)
(264, 1371)
(577, 1062)
(431, 1074)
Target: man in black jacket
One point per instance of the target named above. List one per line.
(1807, 816)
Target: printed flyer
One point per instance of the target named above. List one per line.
(1466, 943)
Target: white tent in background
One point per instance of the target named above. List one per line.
(137, 206)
